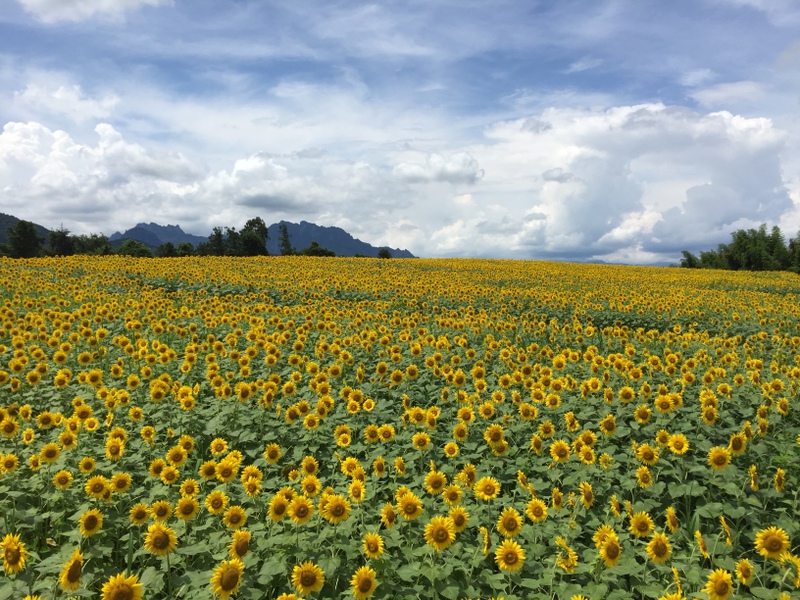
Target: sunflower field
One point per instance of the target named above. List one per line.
(290, 427)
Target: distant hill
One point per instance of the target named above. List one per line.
(333, 238)
(9, 221)
(153, 235)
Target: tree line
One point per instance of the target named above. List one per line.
(24, 242)
(750, 250)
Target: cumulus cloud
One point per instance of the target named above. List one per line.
(52, 11)
(726, 93)
(67, 100)
(459, 167)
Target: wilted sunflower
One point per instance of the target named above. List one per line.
(70, 577)
(509, 556)
(227, 577)
(119, 586)
(160, 539)
(307, 577)
(14, 553)
(363, 583)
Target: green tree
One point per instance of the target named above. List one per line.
(166, 250)
(134, 248)
(61, 242)
(285, 243)
(689, 260)
(384, 253)
(185, 249)
(314, 249)
(253, 238)
(95, 243)
(23, 241)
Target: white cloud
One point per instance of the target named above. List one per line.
(696, 77)
(52, 11)
(584, 64)
(459, 167)
(67, 100)
(724, 94)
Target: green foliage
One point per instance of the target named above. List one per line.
(750, 250)
(134, 248)
(384, 253)
(314, 249)
(285, 243)
(24, 241)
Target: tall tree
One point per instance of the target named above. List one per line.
(285, 243)
(61, 242)
(23, 241)
(253, 238)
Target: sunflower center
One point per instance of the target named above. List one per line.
(660, 548)
(642, 526)
(140, 514)
(510, 524)
(458, 519)
(11, 555)
(242, 546)
(441, 535)
(229, 579)
(216, 503)
(721, 588)
(308, 579)
(337, 510)
(234, 518)
(122, 592)
(160, 540)
(90, 522)
(537, 511)
(364, 585)
(187, 508)
(510, 558)
(773, 544)
(74, 571)
(372, 547)
(612, 550)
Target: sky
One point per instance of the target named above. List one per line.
(584, 130)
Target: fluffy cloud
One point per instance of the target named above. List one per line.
(726, 93)
(52, 11)
(459, 167)
(67, 100)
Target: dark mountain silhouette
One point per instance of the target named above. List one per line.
(153, 234)
(333, 238)
(9, 221)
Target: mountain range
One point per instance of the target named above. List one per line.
(301, 235)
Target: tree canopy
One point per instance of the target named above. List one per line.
(750, 250)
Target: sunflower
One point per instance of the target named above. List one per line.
(216, 502)
(421, 440)
(226, 470)
(235, 517)
(509, 556)
(672, 519)
(509, 523)
(388, 515)
(641, 524)
(659, 548)
(14, 553)
(587, 494)
(440, 532)
(701, 544)
(278, 507)
(678, 443)
(70, 577)
(161, 510)
(62, 480)
(139, 513)
(559, 451)
(120, 482)
(49, 453)
(119, 587)
(356, 491)
(719, 458)
(486, 488)
(226, 578)
(772, 543)
(737, 444)
(647, 454)
(307, 577)
(160, 539)
(190, 487)
(363, 583)
(218, 446)
(643, 477)
(372, 544)
(240, 543)
(460, 518)
(435, 482)
(744, 571)
(719, 585)
(536, 510)
(610, 550)
(187, 508)
(90, 522)
(301, 509)
(779, 480)
(336, 509)
(409, 506)
(452, 494)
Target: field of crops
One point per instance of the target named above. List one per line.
(336, 428)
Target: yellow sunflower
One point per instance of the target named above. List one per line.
(363, 583)
(719, 458)
(409, 506)
(62, 480)
(240, 543)
(719, 585)
(772, 543)
(659, 548)
(509, 523)
(70, 577)
(336, 510)
(308, 577)
(509, 556)
(641, 524)
(744, 571)
(139, 513)
(440, 532)
(235, 517)
(559, 451)
(119, 586)
(278, 507)
(227, 577)
(372, 544)
(90, 522)
(536, 510)
(160, 539)
(301, 509)
(460, 518)
(610, 550)
(14, 553)
(486, 488)
(216, 502)
(187, 508)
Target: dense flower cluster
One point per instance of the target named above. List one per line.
(308, 427)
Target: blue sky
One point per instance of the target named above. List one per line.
(618, 130)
